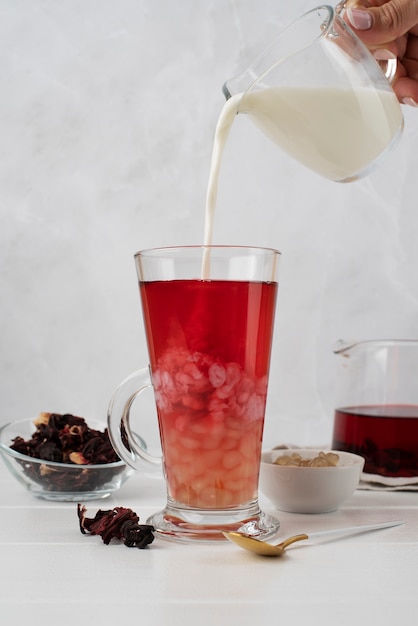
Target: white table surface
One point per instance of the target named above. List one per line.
(52, 574)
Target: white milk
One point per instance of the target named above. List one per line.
(335, 132)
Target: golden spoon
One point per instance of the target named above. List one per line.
(267, 549)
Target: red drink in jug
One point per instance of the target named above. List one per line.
(385, 435)
(209, 344)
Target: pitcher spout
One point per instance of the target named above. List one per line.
(344, 347)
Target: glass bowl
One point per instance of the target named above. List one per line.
(59, 481)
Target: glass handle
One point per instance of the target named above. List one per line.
(126, 443)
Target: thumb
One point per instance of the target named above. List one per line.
(385, 23)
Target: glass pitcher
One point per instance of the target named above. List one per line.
(320, 95)
(376, 412)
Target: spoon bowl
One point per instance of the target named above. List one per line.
(262, 547)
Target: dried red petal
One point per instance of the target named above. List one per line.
(117, 523)
(137, 535)
(58, 437)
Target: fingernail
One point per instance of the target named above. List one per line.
(383, 55)
(361, 20)
(410, 102)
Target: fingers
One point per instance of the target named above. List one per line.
(390, 27)
(384, 23)
(406, 90)
(405, 84)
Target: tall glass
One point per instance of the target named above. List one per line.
(209, 336)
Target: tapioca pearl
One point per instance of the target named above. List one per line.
(198, 460)
(201, 482)
(233, 376)
(184, 494)
(190, 443)
(243, 471)
(222, 394)
(197, 465)
(218, 414)
(249, 446)
(173, 484)
(216, 476)
(171, 454)
(169, 435)
(261, 386)
(236, 420)
(217, 375)
(193, 402)
(234, 373)
(188, 451)
(207, 498)
(216, 419)
(177, 491)
(212, 492)
(195, 483)
(185, 448)
(211, 443)
(177, 473)
(185, 458)
(183, 380)
(206, 426)
(181, 423)
(213, 497)
(247, 383)
(229, 443)
(198, 486)
(196, 370)
(216, 426)
(233, 428)
(212, 458)
(190, 475)
(231, 459)
(246, 495)
(199, 426)
(237, 485)
(216, 402)
(243, 397)
(230, 499)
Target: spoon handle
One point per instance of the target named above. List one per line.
(352, 530)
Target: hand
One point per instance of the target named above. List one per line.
(390, 28)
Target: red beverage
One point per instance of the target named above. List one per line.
(209, 343)
(385, 435)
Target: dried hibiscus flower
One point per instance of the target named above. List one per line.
(116, 523)
(66, 439)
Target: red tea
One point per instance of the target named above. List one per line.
(385, 435)
(209, 343)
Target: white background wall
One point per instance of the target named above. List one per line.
(107, 117)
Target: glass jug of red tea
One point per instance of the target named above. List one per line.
(377, 408)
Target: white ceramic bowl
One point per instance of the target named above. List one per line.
(309, 489)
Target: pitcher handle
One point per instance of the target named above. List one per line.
(118, 419)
